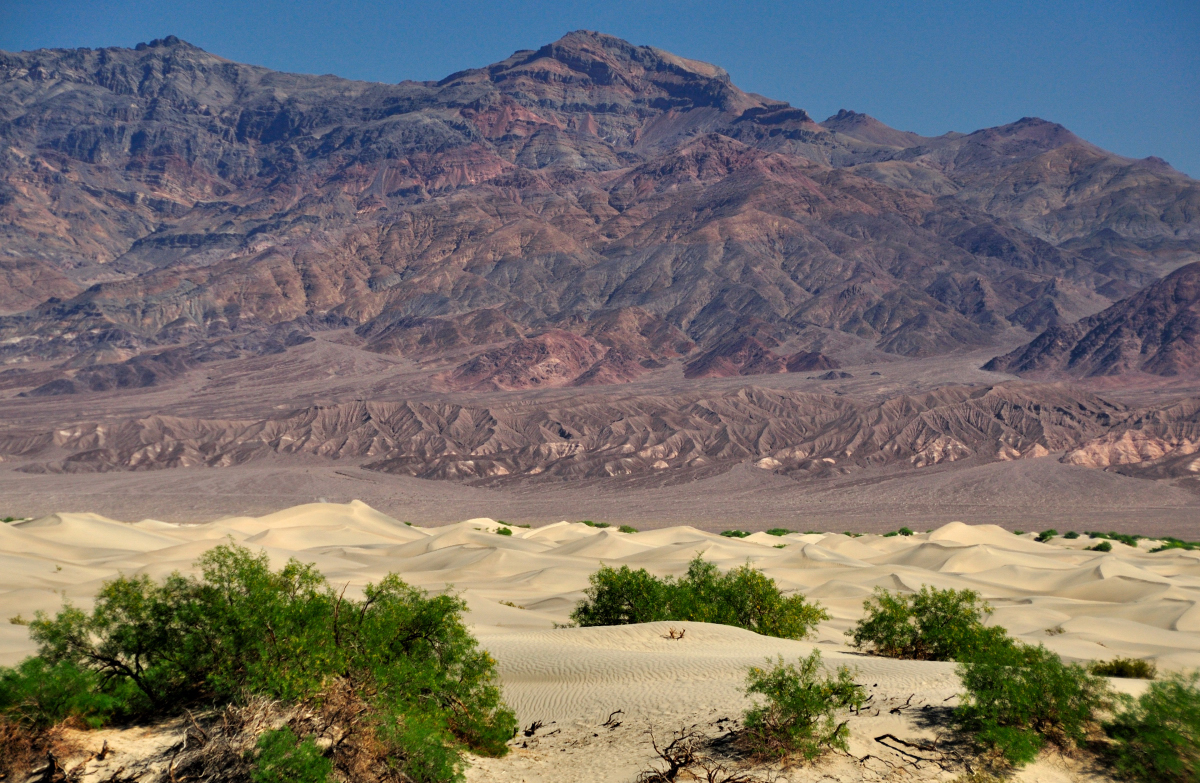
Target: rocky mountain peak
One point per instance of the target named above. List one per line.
(866, 128)
(593, 69)
(170, 42)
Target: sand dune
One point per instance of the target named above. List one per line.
(1081, 604)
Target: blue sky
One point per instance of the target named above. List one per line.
(1124, 75)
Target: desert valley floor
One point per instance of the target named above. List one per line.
(1084, 605)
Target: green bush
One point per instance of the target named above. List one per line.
(1127, 540)
(904, 531)
(1046, 535)
(1019, 696)
(742, 597)
(503, 531)
(242, 628)
(779, 531)
(37, 694)
(282, 758)
(1129, 668)
(734, 533)
(1103, 546)
(627, 529)
(797, 717)
(931, 625)
(1158, 735)
(622, 597)
(590, 523)
(1175, 543)
(1071, 534)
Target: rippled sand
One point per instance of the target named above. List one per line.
(1081, 604)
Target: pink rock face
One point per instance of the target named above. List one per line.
(1156, 331)
(234, 262)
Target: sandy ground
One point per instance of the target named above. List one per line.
(1025, 495)
(1084, 605)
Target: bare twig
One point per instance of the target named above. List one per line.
(610, 723)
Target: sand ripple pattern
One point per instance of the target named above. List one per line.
(1082, 604)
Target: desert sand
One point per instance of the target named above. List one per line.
(1083, 605)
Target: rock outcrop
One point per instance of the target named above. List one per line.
(162, 196)
(1155, 331)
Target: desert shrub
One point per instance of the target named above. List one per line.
(904, 531)
(1018, 532)
(1046, 535)
(621, 597)
(241, 628)
(1130, 668)
(590, 523)
(742, 597)
(1175, 543)
(37, 695)
(735, 533)
(283, 758)
(1158, 735)
(797, 716)
(1103, 546)
(779, 531)
(931, 625)
(503, 531)
(1018, 696)
(1071, 534)
(1127, 540)
(627, 529)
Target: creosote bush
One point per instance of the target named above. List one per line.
(743, 597)
(627, 529)
(1019, 696)
(735, 533)
(797, 715)
(1103, 546)
(931, 625)
(1157, 736)
(150, 649)
(779, 531)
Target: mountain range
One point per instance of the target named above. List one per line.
(588, 214)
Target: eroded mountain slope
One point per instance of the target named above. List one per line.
(163, 196)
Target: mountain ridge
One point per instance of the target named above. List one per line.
(589, 214)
